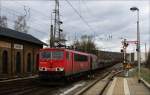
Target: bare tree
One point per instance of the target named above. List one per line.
(3, 21)
(148, 61)
(21, 25)
(86, 44)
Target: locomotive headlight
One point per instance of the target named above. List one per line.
(42, 69)
(59, 69)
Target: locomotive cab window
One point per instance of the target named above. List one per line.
(45, 55)
(54, 55)
(57, 55)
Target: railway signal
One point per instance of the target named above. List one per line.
(126, 65)
(125, 45)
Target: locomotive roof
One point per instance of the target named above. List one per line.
(64, 49)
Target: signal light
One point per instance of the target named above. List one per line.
(60, 22)
(121, 50)
(60, 30)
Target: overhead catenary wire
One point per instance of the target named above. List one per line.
(35, 19)
(87, 8)
(31, 9)
(81, 17)
(109, 36)
(39, 13)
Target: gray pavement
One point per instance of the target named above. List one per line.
(126, 86)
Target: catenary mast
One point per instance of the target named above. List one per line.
(56, 39)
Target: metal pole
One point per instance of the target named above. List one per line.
(145, 52)
(124, 51)
(0, 7)
(58, 23)
(51, 33)
(138, 46)
(124, 55)
(0, 13)
(51, 37)
(55, 21)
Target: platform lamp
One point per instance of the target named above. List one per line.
(138, 41)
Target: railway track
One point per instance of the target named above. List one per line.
(102, 82)
(17, 86)
(29, 87)
(26, 87)
(85, 89)
(106, 79)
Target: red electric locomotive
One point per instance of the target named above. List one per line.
(60, 63)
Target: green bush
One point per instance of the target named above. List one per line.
(145, 74)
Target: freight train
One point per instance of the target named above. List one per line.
(58, 63)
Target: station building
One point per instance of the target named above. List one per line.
(19, 53)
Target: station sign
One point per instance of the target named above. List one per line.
(18, 46)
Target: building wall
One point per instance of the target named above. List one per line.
(143, 57)
(15, 48)
(5, 46)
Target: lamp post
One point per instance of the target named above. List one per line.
(138, 41)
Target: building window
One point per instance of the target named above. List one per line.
(80, 58)
(18, 62)
(29, 63)
(5, 62)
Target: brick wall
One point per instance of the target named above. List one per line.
(8, 45)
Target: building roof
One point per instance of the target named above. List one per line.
(6, 32)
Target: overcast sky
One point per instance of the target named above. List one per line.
(109, 20)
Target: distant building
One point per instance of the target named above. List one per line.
(19, 53)
(143, 57)
(130, 57)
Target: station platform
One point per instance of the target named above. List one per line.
(126, 86)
